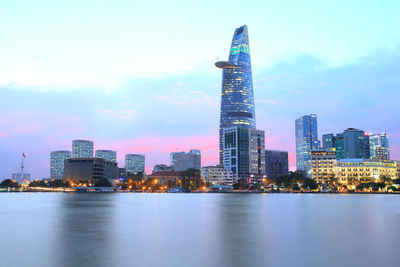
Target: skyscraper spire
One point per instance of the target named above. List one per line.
(237, 99)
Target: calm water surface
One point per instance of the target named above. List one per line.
(62, 229)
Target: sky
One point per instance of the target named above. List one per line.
(139, 77)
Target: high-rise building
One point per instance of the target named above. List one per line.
(134, 163)
(379, 146)
(334, 141)
(82, 149)
(276, 163)
(182, 161)
(306, 140)
(323, 165)
(57, 159)
(237, 100)
(356, 144)
(18, 177)
(243, 151)
(107, 155)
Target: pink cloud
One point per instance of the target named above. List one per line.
(3, 135)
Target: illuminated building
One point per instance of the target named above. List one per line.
(379, 146)
(134, 163)
(276, 163)
(237, 100)
(243, 151)
(82, 149)
(306, 140)
(107, 155)
(324, 165)
(334, 141)
(356, 171)
(57, 159)
(215, 175)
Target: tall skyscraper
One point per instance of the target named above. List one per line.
(237, 100)
(134, 163)
(109, 155)
(379, 146)
(82, 149)
(182, 161)
(335, 142)
(57, 159)
(306, 140)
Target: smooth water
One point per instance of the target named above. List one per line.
(133, 229)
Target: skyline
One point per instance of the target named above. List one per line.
(39, 117)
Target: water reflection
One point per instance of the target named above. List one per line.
(85, 234)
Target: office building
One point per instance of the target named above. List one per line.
(134, 163)
(109, 155)
(306, 139)
(244, 152)
(182, 161)
(90, 169)
(216, 175)
(336, 142)
(379, 146)
(276, 163)
(82, 149)
(356, 144)
(57, 159)
(18, 177)
(237, 100)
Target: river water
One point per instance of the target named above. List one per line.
(134, 229)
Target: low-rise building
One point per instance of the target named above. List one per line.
(162, 168)
(356, 171)
(215, 175)
(170, 178)
(90, 169)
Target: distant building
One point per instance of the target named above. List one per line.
(215, 175)
(162, 168)
(306, 139)
(122, 173)
(90, 169)
(323, 165)
(82, 149)
(182, 161)
(356, 144)
(134, 163)
(336, 142)
(276, 163)
(379, 146)
(57, 159)
(244, 152)
(109, 155)
(17, 177)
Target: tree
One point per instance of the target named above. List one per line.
(309, 183)
(103, 183)
(9, 183)
(191, 178)
(37, 183)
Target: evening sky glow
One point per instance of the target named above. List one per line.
(140, 77)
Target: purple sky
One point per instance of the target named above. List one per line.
(140, 79)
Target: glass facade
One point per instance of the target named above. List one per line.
(355, 144)
(134, 163)
(237, 100)
(57, 159)
(109, 155)
(306, 140)
(379, 146)
(82, 149)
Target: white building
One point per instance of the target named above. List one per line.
(215, 175)
(134, 163)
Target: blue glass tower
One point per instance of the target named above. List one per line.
(306, 140)
(237, 100)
